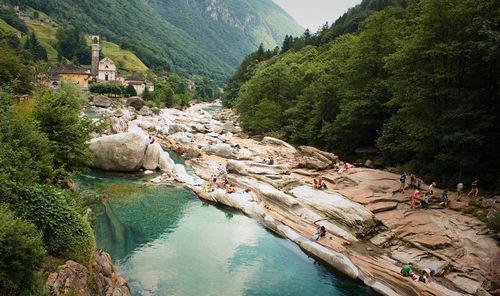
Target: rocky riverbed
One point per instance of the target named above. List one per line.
(371, 231)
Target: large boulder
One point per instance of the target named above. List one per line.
(152, 157)
(73, 277)
(277, 142)
(117, 125)
(101, 101)
(222, 150)
(135, 102)
(311, 163)
(70, 277)
(120, 153)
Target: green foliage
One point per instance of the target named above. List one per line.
(494, 222)
(410, 81)
(21, 254)
(109, 89)
(10, 17)
(34, 47)
(164, 94)
(24, 150)
(206, 89)
(186, 39)
(71, 45)
(15, 72)
(58, 112)
(52, 211)
(130, 90)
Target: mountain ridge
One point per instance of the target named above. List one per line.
(171, 35)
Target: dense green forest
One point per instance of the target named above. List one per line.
(43, 143)
(416, 80)
(180, 38)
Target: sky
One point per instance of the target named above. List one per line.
(312, 14)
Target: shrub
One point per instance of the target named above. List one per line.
(21, 253)
(65, 231)
(494, 222)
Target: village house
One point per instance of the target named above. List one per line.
(79, 74)
(139, 84)
(104, 70)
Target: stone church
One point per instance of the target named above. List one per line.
(105, 69)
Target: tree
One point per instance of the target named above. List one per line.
(58, 112)
(33, 46)
(71, 45)
(13, 73)
(164, 94)
(130, 90)
(447, 103)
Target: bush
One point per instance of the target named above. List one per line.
(65, 232)
(494, 222)
(58, 113)
(21, 253)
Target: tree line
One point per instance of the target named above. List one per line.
(416, 80)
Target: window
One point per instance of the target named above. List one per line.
(106, 76)
(96, 40)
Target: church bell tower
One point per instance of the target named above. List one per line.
(95, 54)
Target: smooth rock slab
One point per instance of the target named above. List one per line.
(336, 207)
(382, 206)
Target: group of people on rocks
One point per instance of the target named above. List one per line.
(427, 275)
(319, 183)
(415, 183)
(223, 184)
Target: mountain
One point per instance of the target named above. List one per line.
(205, 37)
(230, 29)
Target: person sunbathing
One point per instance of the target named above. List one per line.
(231, 189)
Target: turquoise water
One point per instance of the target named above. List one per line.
(165, 241)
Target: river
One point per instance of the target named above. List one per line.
(165, 241)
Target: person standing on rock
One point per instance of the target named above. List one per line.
(402, 180)
(431, 188)
(460, 190)
(413, 199)
(474, 188)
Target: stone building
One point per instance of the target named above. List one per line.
(106, 70)
(79, 75)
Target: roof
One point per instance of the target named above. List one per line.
(69, 69)
(106, 59)
(135, 78)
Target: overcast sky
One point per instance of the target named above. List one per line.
(312, 14)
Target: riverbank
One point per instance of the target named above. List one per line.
(371, 230)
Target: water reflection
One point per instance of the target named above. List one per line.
(166, 242)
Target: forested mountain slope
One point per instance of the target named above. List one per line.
(229, 28)
(419, 82)
(210, 40)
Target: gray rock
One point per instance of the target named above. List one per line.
(145, 111)
(121, 152)
(369, 164)
(135, 102)
(222, 150)
(191, 153)
(118, 113)
(278, 142)
(102, 101)
(156, 110)
(152, 157)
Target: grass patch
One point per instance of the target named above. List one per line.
(46, 34)
(125, 59)
(6, 27)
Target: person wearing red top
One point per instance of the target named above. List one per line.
(413, 200)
